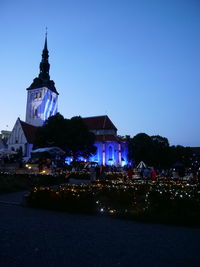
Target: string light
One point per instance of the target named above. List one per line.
(130, 191)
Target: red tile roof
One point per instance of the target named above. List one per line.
(99, 122)
(29, 131)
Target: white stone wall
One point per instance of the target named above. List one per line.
(17, 138)
(41, 104)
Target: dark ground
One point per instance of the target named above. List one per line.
(31, 237)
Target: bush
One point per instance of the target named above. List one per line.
(168, 202)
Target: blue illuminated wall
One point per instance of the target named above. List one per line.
(41, 104)
(111, 153)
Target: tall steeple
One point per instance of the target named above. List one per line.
(42, 97)
(44, 64)
(43, 79)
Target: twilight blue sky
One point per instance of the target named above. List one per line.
(138, 61)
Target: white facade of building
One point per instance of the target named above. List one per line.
(18, 141)
(41, 104)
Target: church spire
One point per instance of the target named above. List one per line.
(43, 79)
(45, 44)
(44, 64)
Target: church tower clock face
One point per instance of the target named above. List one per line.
(42, 97)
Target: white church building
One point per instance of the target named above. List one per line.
(42, 102)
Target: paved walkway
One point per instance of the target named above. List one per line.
(32, 237)
(13, 198)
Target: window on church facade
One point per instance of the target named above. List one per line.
(36, 113)
(110, 152)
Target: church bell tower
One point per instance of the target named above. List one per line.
(42, 97)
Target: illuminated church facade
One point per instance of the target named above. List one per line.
(42, 97)
(111, 149)
(42, 102)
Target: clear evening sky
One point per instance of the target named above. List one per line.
(138, 61)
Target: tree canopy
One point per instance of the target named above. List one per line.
(156, 151)
(71, 135)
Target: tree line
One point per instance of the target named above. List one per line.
(155, 151)
(76, 140)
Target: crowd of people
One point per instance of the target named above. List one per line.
(98, 171)
(149, 173)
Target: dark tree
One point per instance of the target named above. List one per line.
(71, 135)
(180, 154)
(140, 147)
(156, 151)
(161, 152)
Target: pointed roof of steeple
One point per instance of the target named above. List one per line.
(43, 79)
(44, 64)
(45, 43)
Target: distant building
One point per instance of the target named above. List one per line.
(5, 134)
(42, 102)
(2, 144)
(4, 138)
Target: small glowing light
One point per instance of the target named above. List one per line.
(112, 211)
(102, 210)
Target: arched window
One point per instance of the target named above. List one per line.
(35, 113)
(110, 153)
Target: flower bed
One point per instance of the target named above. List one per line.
(171, 202)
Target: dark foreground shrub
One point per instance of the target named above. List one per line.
(154, 202)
